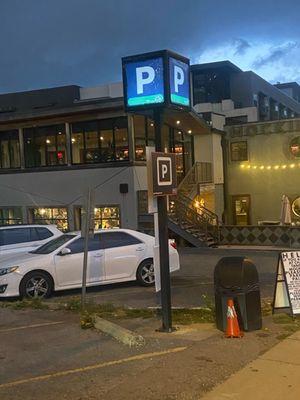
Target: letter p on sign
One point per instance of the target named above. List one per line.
(144, 76)
(178, 77)
(164, 170)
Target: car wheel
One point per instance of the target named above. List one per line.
(145, 273)
(36, 285)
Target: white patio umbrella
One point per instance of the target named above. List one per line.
(285, 216)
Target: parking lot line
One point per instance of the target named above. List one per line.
(92, 367)
(30, 326)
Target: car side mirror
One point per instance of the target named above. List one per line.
(64, 252)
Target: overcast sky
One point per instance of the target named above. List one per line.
(46, 43)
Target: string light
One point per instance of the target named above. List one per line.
(269, 167)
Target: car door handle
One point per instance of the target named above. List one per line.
(139, 249)
(98, 255)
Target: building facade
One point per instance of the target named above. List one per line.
(56, 143)
(262, 164)
(240, 96)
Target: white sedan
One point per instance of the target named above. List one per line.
(117, 255)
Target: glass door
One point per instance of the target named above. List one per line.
(241, 209)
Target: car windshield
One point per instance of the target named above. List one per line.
(54, 244)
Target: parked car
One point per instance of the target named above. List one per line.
(20, 238)
(116, 255)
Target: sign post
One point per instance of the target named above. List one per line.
(87, 229)
(152, 83)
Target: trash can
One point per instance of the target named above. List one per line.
(237, 278)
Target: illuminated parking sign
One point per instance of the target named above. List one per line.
(145, 82)
(157, 79)
(179, 82)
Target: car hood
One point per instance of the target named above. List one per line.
(19, 258)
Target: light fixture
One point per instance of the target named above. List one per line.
(73, 140)
(42, 211)
(269, 167)
(262, 167)
(283, 167)
(243, 166)
(151, 124)
(292, 166)
(254, 167)
(189, 131)
(101, 138)
(248, 166)
(177, 122)
(276, 167)
(48, 141)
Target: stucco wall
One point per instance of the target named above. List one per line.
(59, 188)
(268, 146)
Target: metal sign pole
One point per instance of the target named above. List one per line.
(85, 232)
(163, 236)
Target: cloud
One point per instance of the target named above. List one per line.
(273, 61)
(276, 54)
(241, 46)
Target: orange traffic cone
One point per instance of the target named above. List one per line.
(233, 329)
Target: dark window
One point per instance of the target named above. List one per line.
(45, 146)
(43, 233)
(239, 151)
(78, 245)
(17, 235)
(117, 239)
(9, 149)
(53, 244)
(99, 141)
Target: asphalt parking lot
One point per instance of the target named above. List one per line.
(46, 354)
(194, 280)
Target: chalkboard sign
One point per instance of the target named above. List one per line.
(287, 287)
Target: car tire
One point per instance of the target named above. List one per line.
(36, 284)
(145, 273)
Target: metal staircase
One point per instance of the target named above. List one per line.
(197, 225)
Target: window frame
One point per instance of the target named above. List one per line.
(33, 133)
(98, 122)
(9, 134)
(240, 159)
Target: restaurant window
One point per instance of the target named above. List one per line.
(105, 217)
(54, 215)
(99, 141)
(140, 139)
(9, 149)
(239, 151)
(45, 146)
(10, 216)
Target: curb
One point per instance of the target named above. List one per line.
(122, 335)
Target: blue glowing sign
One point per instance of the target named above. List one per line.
(145, 82)
(157, 79)
(179, 82)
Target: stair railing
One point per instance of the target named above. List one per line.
(201, 172)
(200, 218)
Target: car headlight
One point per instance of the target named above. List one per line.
(4, 271)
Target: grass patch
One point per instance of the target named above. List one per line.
(282, 336)
(187, 316)
(182, 316)
(282, 319)
(36, 304)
